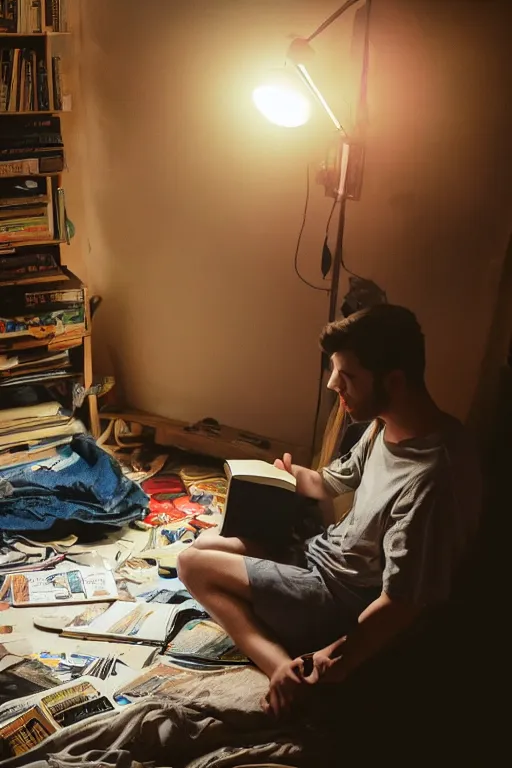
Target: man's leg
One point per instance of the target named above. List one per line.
(219, 581)
(212, 541)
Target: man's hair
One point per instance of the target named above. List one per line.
(384, 338)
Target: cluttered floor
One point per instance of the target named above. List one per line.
(104, 657)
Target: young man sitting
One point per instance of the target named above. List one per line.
(367, 578)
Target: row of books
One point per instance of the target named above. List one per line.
(30, 145)
(31, 209)
(26, 17)
(24, 82)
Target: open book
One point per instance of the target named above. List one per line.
(150, 623)
(260, 501)
(205, 640)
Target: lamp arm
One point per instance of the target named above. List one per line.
(332, 18)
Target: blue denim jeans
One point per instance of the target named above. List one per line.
(85, 484)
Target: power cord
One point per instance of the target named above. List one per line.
(299, 239)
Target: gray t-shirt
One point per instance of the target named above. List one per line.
(414, 516)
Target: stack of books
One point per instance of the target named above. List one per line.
(34, 433)
(30, 145)
(42, 317)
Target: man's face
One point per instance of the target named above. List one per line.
(362, 396)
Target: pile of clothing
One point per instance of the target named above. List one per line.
(81, 483)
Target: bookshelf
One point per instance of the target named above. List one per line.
(45, 319)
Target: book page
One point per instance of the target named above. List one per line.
(257, 471)
(137, 621)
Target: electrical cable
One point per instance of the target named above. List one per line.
(328, 226)
(299, 240)
(332, 18)
(319, 394)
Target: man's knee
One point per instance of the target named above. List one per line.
(208, 540)
(189, 565)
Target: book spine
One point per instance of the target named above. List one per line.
(61, 216)
(13, 86)
(30, 85)
(55, 15)
(27, 260)
(47, 8)
(36, 232)
(19, 167)
(22, 83)
(21, 17)
(57, 83)
(54, 164)
(5, 79)
(63, 17)
(73, 298)
(32, 126)
(36, 16)
(42, 87)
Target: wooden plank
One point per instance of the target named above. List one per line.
(226, 445)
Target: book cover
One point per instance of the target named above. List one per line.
(63, 587)
(150, 623)
(260, 502)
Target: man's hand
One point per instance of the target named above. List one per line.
(284, 689)
(285, 463)
(289, 681)
(309, 482)
(319, 663)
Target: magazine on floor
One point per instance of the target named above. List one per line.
(204, 640)
(27, 723)
(80, 585)
(151, 623)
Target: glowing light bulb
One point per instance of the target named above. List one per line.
(282, 104)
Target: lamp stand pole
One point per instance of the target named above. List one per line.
(337, 261)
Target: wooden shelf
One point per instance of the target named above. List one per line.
(32, 34)
(32, 112)
(27, 243)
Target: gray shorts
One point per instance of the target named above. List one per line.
(296, 606)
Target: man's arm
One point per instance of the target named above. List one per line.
(309, 482)
(379, 623)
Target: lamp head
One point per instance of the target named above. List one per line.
(281, 99)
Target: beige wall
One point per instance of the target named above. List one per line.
(193, 202)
